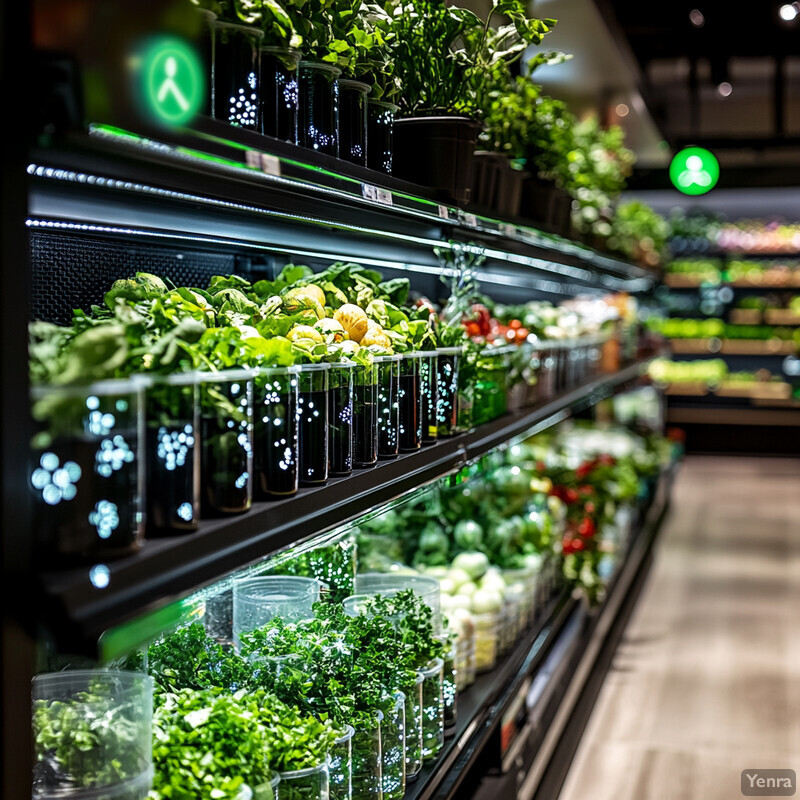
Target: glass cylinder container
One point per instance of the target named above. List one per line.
(279, 92)
(429, 391)
(380, 135)
(388, 405)
(172, 454)
(93, 735)
(340, 419)
(487, 632)
(365, 415)
(258, 600)
(414, 729)
(447, 390)
(306, 784)
(547, 372)
(426, 586)
(318, 117)
(410, 399)
(88, 471)
(235, 76)
(341, 766)
(367, 771)
(490, 384)
(449, 677)
(353, 121)
(276, 456)
(313, 422)
(226, 442)
(393, 748)
(432, 709)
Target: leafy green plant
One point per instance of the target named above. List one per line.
(638, 232)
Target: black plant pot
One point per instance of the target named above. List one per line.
(279, 92)
(380, 135)
(545, 203)
(437, 152)
(235, 74)
(353, 121)
(509, 196)
(318, 117)
(487, 176)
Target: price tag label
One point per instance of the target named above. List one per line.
(253, 158)
(507, 229)
(376, 194)
(270, 165)
(471, 220)
(444, 213)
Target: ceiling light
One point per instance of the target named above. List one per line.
(788, 12)
(696, 18)
(725, 89)
(622, 110)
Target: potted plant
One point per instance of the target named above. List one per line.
(444, 92)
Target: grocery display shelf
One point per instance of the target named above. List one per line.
(257, 193)
(733, 347)
(781, 316)
(550, 676)
(779, 416)
(679, 281)
(755, 390)
(166, 570)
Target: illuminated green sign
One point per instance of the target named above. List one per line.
(694, 170)
(172, 81)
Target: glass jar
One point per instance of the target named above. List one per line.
(353, 121)
(410, 399)
(393, 748)
(487, 632)
(313, 422)
(432, 709)
(365, 415)
(276, 456)
(490, 384)
(429, 391)
(426, 586)
(367, 770)
(279, 92)
(172, 454)
(235, 74)
(306, 784)
(113, 712)
(449, 680)
(226, 442)
(340, 419)
(413, 697)
(388, 405)
(447, 389)
(380, 135)
(318, 117)
(341, 766)
(256, 601)
(88, 476)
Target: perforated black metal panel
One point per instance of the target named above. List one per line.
(72, 271)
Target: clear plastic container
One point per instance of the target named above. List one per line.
(226, 441)
(258, 600)
(490, 399)
(393, 748)
(306, 784)
(414, 729)
(235, 74)
(447, 389)
(432, 709)
(365, 415)
(172, 454)
(487, 633)
(262, 792)
(367, 771)
(88, 473)
(465, 663)
(523, 583)
(318, 115)
(429, 391)
(426, 586)
(340, 419)
(410, 399)
(93, 735)
(341, 766)
(276, 455)
(313, 423)
(388, 405)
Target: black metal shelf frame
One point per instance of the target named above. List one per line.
(167, 570)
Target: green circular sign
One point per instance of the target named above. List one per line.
(172, 80)
(694, 170)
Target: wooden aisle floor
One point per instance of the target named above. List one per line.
(706, 681)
